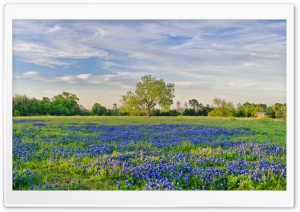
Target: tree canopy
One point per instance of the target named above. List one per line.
(222, 107)
(194, 103)
(148, 93)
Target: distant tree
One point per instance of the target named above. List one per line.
(35, 107)
(222, 107)
(115, 111)
(22, 104)
(99, 110)
(262, 107)
(46, 105)
(65, 104)
(249, 110)
(283, 109)
(185, 105)
(193, 103)
(170, 113)
(109, 112)
(155, 112)
(280, 110)
(46, 100)
(16, 113)
(148, 93)
(83, 111)
(189, 112)
(240, 112)
(178, 105)
(199, 106)
(270, 112)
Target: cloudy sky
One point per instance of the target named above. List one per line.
(239, 60)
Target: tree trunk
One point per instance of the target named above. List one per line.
(148, 112)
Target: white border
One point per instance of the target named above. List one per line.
(144, 198)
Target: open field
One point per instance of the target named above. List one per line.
(138, 153)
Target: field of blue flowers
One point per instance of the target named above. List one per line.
(49, 154)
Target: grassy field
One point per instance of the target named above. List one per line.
(140, 153)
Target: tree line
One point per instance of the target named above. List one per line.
(150, 95)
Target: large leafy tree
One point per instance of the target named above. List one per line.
(148, 93)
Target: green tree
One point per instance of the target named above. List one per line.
(249, 110)
(16, 113)
(240, 111)
(185, 105)
(222, 108)
(148, 93)
(270, 112)
(115, 106)
(193, 103)
(22, 104)
(280, 110)
(129, 104)
(35, 107)
(178, 105)
(99, 110)
(65, 104)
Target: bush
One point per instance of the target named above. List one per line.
(17, 113)
(189, 112)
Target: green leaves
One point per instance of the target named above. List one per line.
(98, 109)
(148, 93)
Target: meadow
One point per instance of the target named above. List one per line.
(140, 153)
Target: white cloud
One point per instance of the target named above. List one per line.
(83, 76)
(106, 65)
(184, 83)
(30, 74)
(69, 79)
(56, 28)
(56, 54)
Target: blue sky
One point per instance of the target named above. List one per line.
(239, 60)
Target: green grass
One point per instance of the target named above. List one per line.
(274, 130)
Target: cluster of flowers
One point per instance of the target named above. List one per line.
(183, 171)
(155, 157)
(22, 179)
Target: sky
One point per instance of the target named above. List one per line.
(100, 60)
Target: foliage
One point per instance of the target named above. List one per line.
(222, 108)
(99, 110)
(129, 104)
(194, 103)
(62, 104)
(148, 93)
(17, 113)
(158, 112)
(66, 104)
